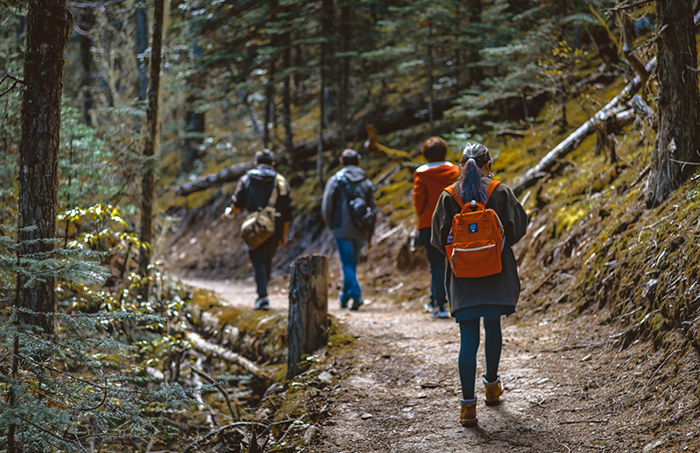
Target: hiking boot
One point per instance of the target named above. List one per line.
(467, 416)
(441, 314)
(263, 303)
(493, 391)
(356, 304)
(343, 300)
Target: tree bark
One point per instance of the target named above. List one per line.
(346, 36)
(194, 136)
(326, 9)
(308, 309)
(475, 12)
(329, 83)
(678, 100)
(269, 103)
(287, 97)
(150, 150)
(429, 69)
(48, 26)
(87, 20)
(141, 18)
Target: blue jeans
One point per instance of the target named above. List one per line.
(349, 251)
(469, 331)
(436, 261)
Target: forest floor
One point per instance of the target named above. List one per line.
(568, 386)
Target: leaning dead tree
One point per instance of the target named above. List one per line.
(614, 108)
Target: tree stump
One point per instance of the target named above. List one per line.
(308, 309)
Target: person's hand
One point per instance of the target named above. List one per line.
(230, 212)
(285, 233)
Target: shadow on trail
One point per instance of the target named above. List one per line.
(503, 427)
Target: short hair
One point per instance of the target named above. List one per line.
(434, 149)
(264, 157)
(350, 157)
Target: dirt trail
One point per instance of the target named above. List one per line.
(399, 389)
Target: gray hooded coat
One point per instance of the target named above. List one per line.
(335, 210)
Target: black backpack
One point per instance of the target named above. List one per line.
(360, 212)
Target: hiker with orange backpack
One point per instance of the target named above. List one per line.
(429, 181)
(476, 222)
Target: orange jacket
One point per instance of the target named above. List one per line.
(429, 181)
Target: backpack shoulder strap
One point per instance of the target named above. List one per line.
(492, 186)
(275, 191)
(489, 190)
(451, 190)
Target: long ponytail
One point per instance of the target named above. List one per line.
(470, 185)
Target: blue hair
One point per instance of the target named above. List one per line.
(471, 187)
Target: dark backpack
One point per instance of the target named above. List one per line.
(362, 215)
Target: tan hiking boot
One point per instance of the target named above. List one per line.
(493, 391)
(467, 416)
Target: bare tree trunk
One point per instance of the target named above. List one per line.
(87, 21)
(150, 150)
(287, 98)
(48, 26)
(141, 17)
(475, 12)
(194, 136)
(429, 68)
(678, 100)
(326, 10)
(328, 32)
(346, 35)
(269, 103)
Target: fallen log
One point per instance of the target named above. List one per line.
(203, 346)
(579, 135)
(586, 129)
(230, 174)
(390, 122)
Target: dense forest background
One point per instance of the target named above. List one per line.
(126, 123)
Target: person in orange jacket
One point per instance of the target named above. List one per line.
(429, 181)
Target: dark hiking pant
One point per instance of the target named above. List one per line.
(436, 261)
(261, 259)
(469, 331)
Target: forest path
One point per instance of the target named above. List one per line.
(399, 388)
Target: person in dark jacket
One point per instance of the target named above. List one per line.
(429, 181)
(253, 193)
(485, 297)
(349, 181)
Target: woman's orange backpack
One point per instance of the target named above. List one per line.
(477, 238)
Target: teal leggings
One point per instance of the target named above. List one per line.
(469, 331)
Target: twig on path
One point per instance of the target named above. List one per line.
(573, 422)
(573, 346)
(657, 370)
